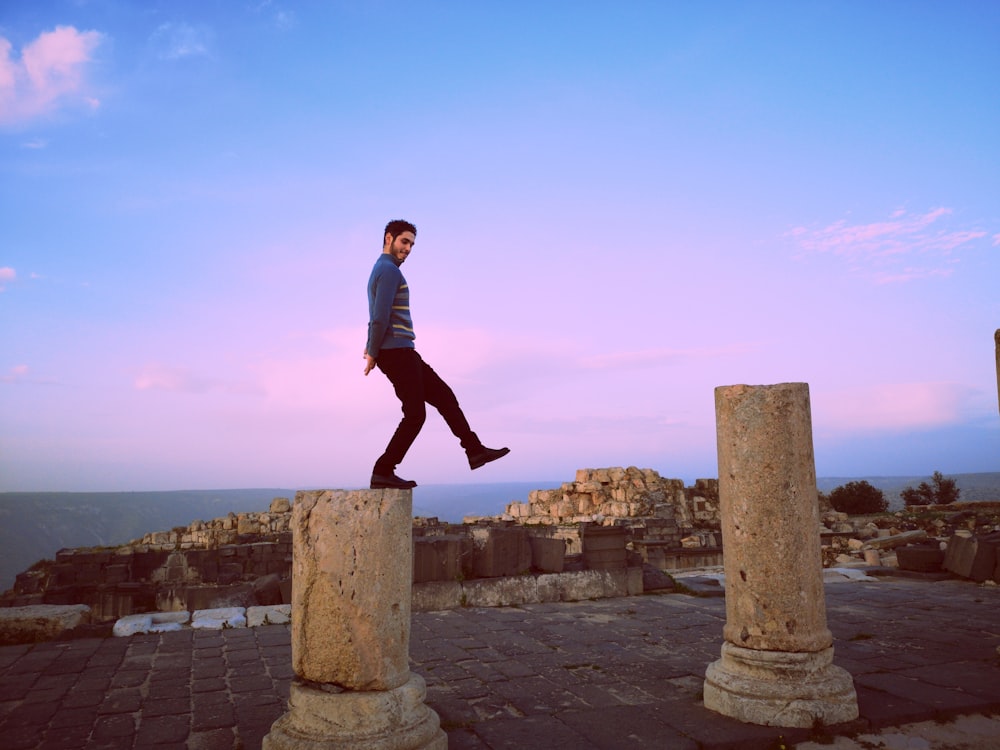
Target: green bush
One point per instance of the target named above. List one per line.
(858, 498)
(942, 492)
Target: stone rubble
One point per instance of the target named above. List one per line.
(244, 559)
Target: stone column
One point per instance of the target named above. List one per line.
(776, 667)
(996, 339)
(351, 586)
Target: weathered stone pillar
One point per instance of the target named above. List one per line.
(776, 667)
(996, 340)
(351, 586)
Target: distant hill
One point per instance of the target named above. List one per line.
(36, 525)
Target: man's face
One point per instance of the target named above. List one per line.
(401, 245)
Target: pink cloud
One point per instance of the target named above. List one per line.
(882, 245)
(49, 74)
(15, 373)
(891, 407)
(7, 274)
(656, 357)
(159, 377)
(912, 274)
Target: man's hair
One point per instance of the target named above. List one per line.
(396, 227)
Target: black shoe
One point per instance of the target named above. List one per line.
(484, 455)
(391, 482)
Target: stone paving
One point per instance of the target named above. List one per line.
(614, 673)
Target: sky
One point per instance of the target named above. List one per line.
(620, 207)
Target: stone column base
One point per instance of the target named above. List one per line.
(324, 717)
(779, 688)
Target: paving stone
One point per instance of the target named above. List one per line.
(23, 737)
(83, 697)
(462, 738)
(124, 701)
(208, 668)
(594, 696)
(939, 698)
(74, 717)
(212, 739)
(883, 709)
(536, 676)
(249, 684)
(155, 730)
(625, 726)
(215, 716)
(532, 731)
(16, 689)
(61, 738)
(157, 691)
(166, 707)
(114, 727)
(30, 714)
(130, 678)
(208, 685)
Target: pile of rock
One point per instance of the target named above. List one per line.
(961, 538)
(668, 526)
(219, 531)
(243, 559)
(613, 494)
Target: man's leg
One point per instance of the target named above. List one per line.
(438, 394)
(403, 367)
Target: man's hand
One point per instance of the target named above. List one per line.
(369, 362)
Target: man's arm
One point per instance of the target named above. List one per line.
(385, 285)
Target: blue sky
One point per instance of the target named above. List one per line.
(620, 206)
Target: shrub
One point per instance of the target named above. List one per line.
(942, 492)
(858, 498)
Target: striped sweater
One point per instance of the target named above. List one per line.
(389, 323)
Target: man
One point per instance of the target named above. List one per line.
(390, 347)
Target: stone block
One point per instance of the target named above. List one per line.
(199, 597)
(548, 554)
(150, 622)
(971, 557)
(63, 574)
(441, 558)
(230, 572)
(267, 590)
(40, 622)
(587, 584)
(434, 596)
(132, 624)
(500, 592)
(604, 547)
(280, 505)
(895, 540)
(89, 573)
(278, 614)
(922, 559)
(500, 551)
(217, 619)
(634, 582)
(654, 579)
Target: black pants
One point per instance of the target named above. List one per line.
(416, 384)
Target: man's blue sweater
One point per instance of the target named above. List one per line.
(389, 323)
